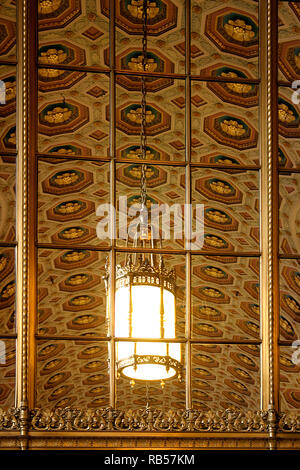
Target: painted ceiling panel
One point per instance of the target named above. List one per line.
(7, 372)
(231, 209)
(165, 118)
(224, 33)
(72, 295)
(7, 291)
(72, 374)
(289, 41)
(289, 299)
(69, 194)
(225, 376)
(225, 298)
(8, 30)
(289, 215)
(289, 379)
(225, 123)
(82, 23)
(164, 187)
(72, 113)
(8, 108)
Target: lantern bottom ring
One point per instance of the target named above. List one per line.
(172, 367)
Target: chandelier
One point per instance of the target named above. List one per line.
(145, 292)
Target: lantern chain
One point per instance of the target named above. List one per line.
(143, 117)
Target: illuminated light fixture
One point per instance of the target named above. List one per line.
(145, 303)
(145, 309)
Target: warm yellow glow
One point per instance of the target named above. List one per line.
(145, 320)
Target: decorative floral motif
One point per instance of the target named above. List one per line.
(285, 114)
(239, 30)
(232, 128)
(148, 419)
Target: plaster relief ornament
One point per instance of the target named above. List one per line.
(58, 115)
(135, 116)
(77, 279)
(52, 56)
(81, 300)
(66, 178)
(71, 233)
(136, 154)
(64, 151)
(220, 187)
(209, 312)
(10, 89)
(239, 30)
(214, 241)
(240, 88)
(217, 216)
(285, 114)
(210, 292)
(297, 279)
(74, 256)
(69, 207)
(48, 6)
(292, 303)
(11, 137)
(232, 128)
(84, 319)
(8, 291)
(3, 262)
(214, 272)
(135, 8)
(136, 64)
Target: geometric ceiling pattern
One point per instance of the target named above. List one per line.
(8, 30)
(289, 210)
(289, 216)
(166, 36)
(225, 298)
(225, 376)
(165, 122)
(82, 24)
(231, 209)
(72, 117)
(288, 128)
(74, 122)
(7, 291)
(289, 299)
(226, 35)
(288, 71)
(225, 123)
(7, 201)
(72, 373)
(72, 296)
(289, 381)
(163, 187)
(288, 41)
(7, 372)
(8, 108)
(69, 194)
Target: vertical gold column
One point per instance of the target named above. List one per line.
(188, 200)
(269, 212)
(25, 211)
(112, 260)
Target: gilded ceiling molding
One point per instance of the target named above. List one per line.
(9, 419)
(289, 422)
(148, 419)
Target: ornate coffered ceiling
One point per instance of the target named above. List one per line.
(74, 116)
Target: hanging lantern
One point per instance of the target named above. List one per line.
(145, 309)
